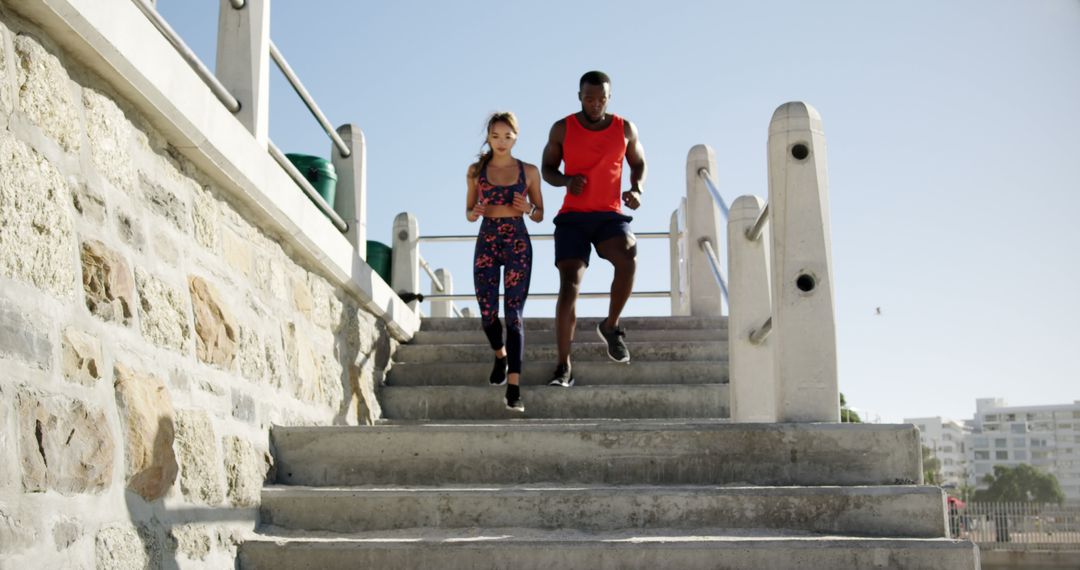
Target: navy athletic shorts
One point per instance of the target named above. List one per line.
(576, 233)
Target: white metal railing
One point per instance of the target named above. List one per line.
(294, 80)
(1017, 526)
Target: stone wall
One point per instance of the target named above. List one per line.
(149, 334)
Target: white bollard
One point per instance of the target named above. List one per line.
(405, 257)
(751, 384)
(442, 308)
(350, 202)
(804, 322)
(243, 62)
(704, 221)
(680, 294)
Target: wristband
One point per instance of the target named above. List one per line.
(533, 210)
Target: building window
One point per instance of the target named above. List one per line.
(1000, 442)
(1020, 455)
(980, 441)
(1001, 455)
(1018, 428)
(982, 455)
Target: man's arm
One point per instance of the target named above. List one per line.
(553, 156)
(635, 157)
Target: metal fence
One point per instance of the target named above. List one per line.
(1017, 526)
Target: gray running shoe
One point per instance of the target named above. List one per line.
(562, 377)
(513, 398)
(616, 346)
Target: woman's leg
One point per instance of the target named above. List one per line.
(516, 287)
(486, 286)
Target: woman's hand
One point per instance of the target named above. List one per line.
(520, 203)
(477, 211)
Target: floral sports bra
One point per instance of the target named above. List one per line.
(500, 195)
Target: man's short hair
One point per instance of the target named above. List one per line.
(598, 78)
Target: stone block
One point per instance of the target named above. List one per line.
(81, 360)
(166, 249)
(216, 330)
(45, 93)
(89, 203)
(6, 74)
(327, 313)
(191, 541)
(245, 471)
(22, 339)
(37, 237)
(107, 283)
(304, 364)
(252, 356)
(111, 138)
(16, 534)
(303, 300)
(163, 313)
(130, 228)
(126, 547)
(147, 416)
(64, 445)
(9, 465)
(200, 468)
(165, 203)
(237, 252)
(205, 219)
(243, 407)
(66, 532)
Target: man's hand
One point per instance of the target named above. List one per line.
(576, 185)
(632, 199)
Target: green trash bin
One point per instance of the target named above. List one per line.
(319, 172)
(378, 257)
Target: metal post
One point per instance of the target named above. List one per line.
(350, 202)
(804, 319)
(752, 385)
(442, 308)
(243, 62)
(703, 220)
(680, 296)
(405, 257)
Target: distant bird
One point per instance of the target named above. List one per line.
(877, 310)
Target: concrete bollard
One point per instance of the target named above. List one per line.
(752, 385)
(243, 62)
(680, 294)
(704, 221)
(351, 200)
(405, 257)
(442, 308)
(804, 322)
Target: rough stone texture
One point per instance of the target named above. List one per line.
(45, 94)
(16, 534)
(204, 214)
(6, 99)
(66, 532)
(130, 228)
(272, 278)
(243, 407)
(8, 462)
(64, 446)
(304, 364)
(21, 338)
(371, 353)
(191, 541)
(200, 468)
(216, 330)
(107, 282)
(81, 361)
(146, 413)
(245, 472)
(110, 135)
(237, 252)
(165, 203)
(125, 547)
(302, 297)
(89, 203)
(327, 312)
(37, 237)
(251, 356)
(163, 313)
(166, 249)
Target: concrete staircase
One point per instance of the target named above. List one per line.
(635, 467)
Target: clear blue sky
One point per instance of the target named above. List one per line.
(952, 130)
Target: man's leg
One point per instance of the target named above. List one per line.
(571, 271)
(621, 251)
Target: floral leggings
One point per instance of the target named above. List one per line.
(503, 242)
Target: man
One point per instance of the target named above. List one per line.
(592, 144)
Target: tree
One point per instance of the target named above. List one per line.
(847, 415)
(931, 467)
(1022, 483)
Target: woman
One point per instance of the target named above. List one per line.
(501, 189)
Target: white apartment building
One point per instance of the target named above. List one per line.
(1047, 437)
(947, 439)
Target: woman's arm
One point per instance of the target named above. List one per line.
(474, 208)
(532, 179)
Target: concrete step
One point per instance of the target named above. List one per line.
(547, 336)
(485, 402)
(524, 550)
(611, 452)
(631, 324)
(590, 350)
(896, 511)
(587, 373)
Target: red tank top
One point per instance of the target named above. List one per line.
(599, 156)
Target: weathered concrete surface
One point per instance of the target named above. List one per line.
(1024, 559)
(608, 452)
(588, 324)
(897, 511)
(587, 373)
(547, 336)
(503, 548)
(482, 402)
(587, 348)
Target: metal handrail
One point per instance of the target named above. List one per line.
(759, 335)
(219, 90)
(714, 262)
(534, 237)
(703, 173)
(434, 280)
(549, 296)
(306, 97)
(307, 187)
(238, 4)
(754, 232)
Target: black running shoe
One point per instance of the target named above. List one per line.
(513, 398)
(562, 377)
(616, 346)
(498, 372)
